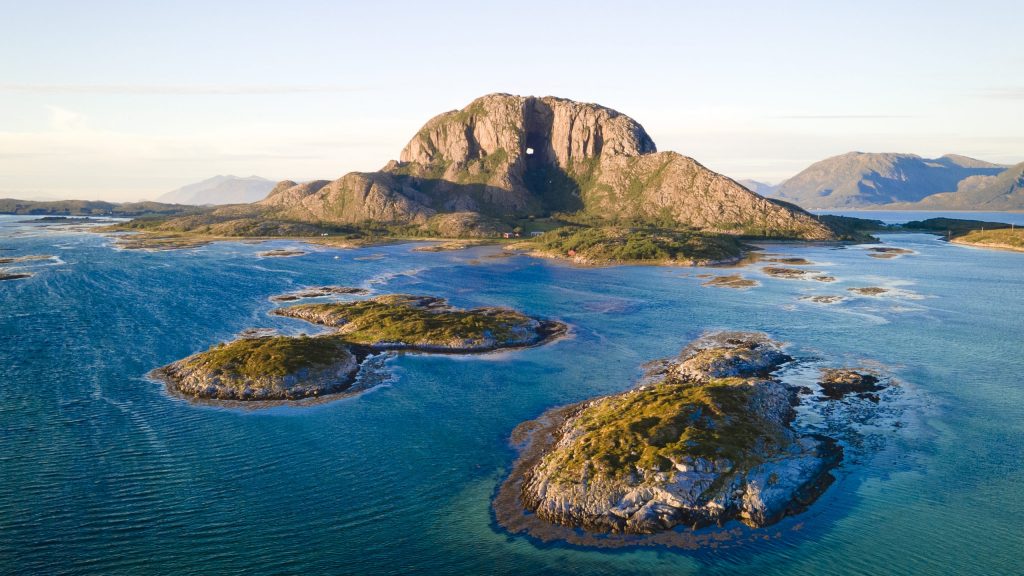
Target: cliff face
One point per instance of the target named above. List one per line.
(1004, 191)
(475, 171)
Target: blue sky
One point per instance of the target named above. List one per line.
(126, 100)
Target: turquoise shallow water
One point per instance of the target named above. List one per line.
(101, 472)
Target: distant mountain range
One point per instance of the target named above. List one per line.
(759, 187)
(1004, 191)
(91, 208)
(866, 180)
(220, 190)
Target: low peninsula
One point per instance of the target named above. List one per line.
(276, 368)
(705, 439)
(1003, 239)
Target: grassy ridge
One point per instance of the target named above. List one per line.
(1002, 238)
(653, 426)
(270, 355)
(614, 244)
(412, 320)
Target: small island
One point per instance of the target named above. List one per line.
(265, 368)
(887, 252)
(278, 368)
(736, 281)
(705, 439)
(426, 323)
(837, 383)
(796, 274)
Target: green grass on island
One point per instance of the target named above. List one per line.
(270, 355)
(621, 244)
(264, 367)
(951, 227)
(651, 427)
(1012, 239)
(420, 321)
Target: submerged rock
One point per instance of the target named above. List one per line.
(281, 253)
(887, 252)
(14, 275)
(823, 299)
(868, 291)
(318, 292)
(710, 441)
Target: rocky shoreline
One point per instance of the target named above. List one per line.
(704, 440)
(271, 368)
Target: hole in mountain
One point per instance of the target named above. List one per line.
(529, 151)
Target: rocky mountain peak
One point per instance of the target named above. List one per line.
(524, 130)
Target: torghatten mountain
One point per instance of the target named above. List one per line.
(220, 190)
(858, 180)
(477, 170)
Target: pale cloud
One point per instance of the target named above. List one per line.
(180, 89)
(64, 120)
(1005, 93)
(75, 155)
(840, 116)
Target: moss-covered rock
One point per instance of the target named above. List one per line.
(265, 368)
(270, 367)
(404, 322)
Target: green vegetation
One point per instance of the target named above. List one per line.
(294, 367)
(652, 427)
(269, 355)
(1002, 238)
(952, 226)
(850, 228)
(622, 244)
(416, 321)
(481, 171)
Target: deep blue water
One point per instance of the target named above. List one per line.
(101, 472)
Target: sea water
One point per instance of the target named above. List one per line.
(103, 472)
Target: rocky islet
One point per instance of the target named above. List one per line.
(264, 367)
(704, 439)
